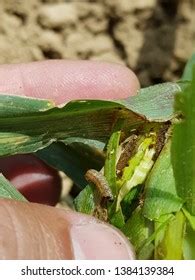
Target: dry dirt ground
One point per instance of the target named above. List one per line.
(153, 37)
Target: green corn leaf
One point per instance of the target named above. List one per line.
(188, 71)
(183, 147)
(117, 219)
(155, 235)
(9, 191)
(171, 246)
(189, 244)
(160, 227)
(190, 218)
(137, 229)
(155, 103)
(14, 106)
(130, 202)
(73, 159)
(146, 252)
(85, 201)
(27, 133)
(160, 192)
(28, 125)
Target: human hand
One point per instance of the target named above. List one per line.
(35, 231)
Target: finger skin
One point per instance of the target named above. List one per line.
(65, 80)
(30, 231)
(35, 231)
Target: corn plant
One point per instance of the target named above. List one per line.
(133, 159)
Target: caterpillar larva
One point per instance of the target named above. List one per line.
(100, 182)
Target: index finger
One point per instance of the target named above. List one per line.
(65, 80)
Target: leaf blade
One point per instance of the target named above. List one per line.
(40, 123)
(9, 191)
(183, 147)
(188, 71)
(161, 196)
(155, 103)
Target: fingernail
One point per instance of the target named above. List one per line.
(97, 241)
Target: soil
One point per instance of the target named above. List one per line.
(153, 37)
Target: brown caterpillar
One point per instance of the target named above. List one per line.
(100, 182)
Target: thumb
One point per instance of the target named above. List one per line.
(35, 231)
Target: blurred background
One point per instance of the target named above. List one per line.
(153, 37)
